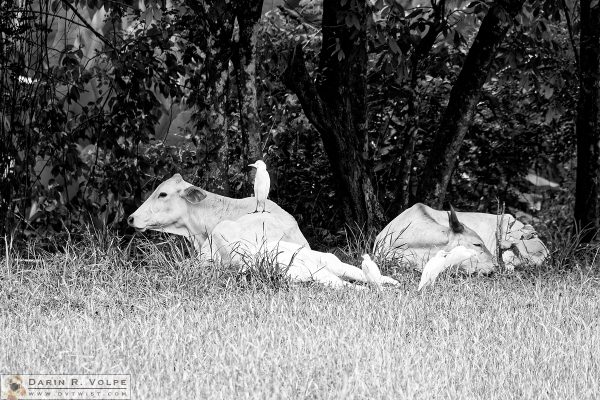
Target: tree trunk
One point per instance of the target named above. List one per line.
(213, 119)
(463, 101)
(336, 106)
(587, 209)
(216, 159)
(408, 149)
(248, 14)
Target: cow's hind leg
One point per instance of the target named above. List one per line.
(347, 271)
(302, 272)
(389, 281)
(327, 278)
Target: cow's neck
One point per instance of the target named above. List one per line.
(209, 212)
(454, 239)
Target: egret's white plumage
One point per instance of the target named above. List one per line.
(371, 271)
(262, 184)
(433, 268)
(443, 260)
(459, 254)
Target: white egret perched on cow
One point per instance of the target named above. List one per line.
(443, 260)
(262, 184)
(371, 271)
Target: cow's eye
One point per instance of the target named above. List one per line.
(162, 194)
(477, 244)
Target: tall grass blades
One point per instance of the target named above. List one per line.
(189, 328)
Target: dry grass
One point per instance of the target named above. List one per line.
(183, 330)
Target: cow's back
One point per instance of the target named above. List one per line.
(249, 232)
(414, 236)
(274, 224)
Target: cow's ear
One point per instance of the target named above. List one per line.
(177, 177)
(454, 223)
(193, 195)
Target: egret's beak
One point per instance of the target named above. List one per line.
(252, 165)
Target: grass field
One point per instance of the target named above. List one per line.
(188, 331)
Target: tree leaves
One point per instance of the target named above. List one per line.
(394, 46)
(352, 21)
(56, 5)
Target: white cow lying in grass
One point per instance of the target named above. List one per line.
(418, 233)
(240, 243)
(235, 233)
(178, 207)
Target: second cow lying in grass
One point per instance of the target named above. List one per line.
(418, 233)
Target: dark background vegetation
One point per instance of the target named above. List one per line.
(359, 109)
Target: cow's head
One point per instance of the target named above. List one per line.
(460, 234)
(167, 207)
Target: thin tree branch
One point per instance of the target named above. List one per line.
(297, 79)
(293, 14)
(90, 27)
(571, 35)
(54, 15)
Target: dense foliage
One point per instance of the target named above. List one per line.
(163, 57)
